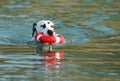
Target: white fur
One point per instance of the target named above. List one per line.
(48, 26)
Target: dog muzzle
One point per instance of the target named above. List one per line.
(50, 32)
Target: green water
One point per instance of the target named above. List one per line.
(91, 51)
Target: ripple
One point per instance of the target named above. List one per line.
(106, 30)
(38, 12)
(100, 72)
(113, 74)
(12, 16)
(7, 16)
(23, 62)
(15, 65)
(76, 36)
(107, 73)
(84, 73)
(88, 1)
(14, 76)
(16, 6)
(20, 57)
(3, 79)
(113, 13)
(108, 1)
(94, 21)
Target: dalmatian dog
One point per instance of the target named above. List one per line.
(44, 26)
(47, 28)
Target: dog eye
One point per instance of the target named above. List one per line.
(52, 26)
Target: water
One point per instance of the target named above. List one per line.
(91, 49)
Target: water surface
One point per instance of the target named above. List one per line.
(92, 40)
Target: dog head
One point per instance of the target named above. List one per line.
(44, 26)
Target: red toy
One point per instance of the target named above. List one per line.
(57, 38)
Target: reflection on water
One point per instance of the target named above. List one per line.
(52, 65)
(52, 57)
(23, 63)
(43, 66)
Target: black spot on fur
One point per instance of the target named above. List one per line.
(44, 26)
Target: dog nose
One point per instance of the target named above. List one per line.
(50, 32)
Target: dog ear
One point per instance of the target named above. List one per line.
(44, 26)
(34, 29)
(34, 24)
